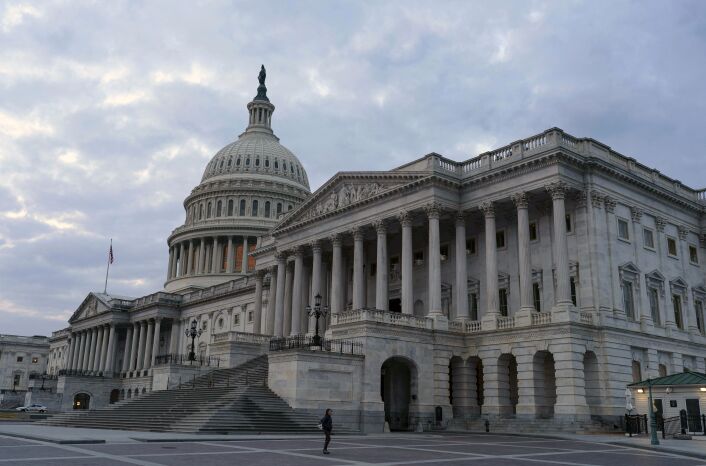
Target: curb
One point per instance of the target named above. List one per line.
(49, 440)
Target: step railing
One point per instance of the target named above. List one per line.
(314, 343)
(184, 360)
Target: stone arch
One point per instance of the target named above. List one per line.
(82, 401)
(592, 381)
(508, 393)
(398, 388)
(114, 396)
(544, 383)
(129, 393)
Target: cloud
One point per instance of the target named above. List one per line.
(15, 14)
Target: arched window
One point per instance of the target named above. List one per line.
(242, 207)
(276, 164)
(230, 162)
(289, 207)
(267, 163)
(219, 206)
(257, 162)
(221, 165)
(208, 211)
(230, 208)
(254, 208)
(284, 166)
(247, 162)
(237, 162)
(291, 169)
(200, 211)
(267, 209)
(279, 208)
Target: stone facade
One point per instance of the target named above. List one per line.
(20, 358)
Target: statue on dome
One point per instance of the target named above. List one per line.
(263, 74)
(261, 89)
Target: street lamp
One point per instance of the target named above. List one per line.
(44, 377)
(653, 421)
(192, 333)
(317, 312)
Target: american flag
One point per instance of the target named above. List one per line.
(110, 254)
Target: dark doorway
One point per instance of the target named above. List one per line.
(114, 396)
(396, 376)
(395, 305)
(82, 401)
(693, 412)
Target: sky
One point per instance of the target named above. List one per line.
(110, 111)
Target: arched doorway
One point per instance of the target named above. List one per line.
(114, 396)
(544, 383)
(508, 394)
(82, 401)
(397, 389)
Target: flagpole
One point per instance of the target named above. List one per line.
(105, 288)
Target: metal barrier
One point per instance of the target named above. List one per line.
(682, 424)
(312, 343)
(636, 424)
(183, 360)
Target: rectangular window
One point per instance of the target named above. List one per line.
(648, 238)
(537, 296)
(572, 284)
(35, 360)
(533, 231)
(569, 224)
(676, 302)
(394, 264)
(654, 305)
(444, 251)
(698, 306)
(693, 254)
(474, 306)
(672, 247)
(471, 246)
(20, 358)
(250, 316)
(419, 257)
(236, 319)
(623, 231)
(500, 239)
(628, 302)
(502, 294)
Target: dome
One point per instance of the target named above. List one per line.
(257, 152)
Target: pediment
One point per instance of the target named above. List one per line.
(679, 283)
(656, 276)
(90, 307)
(345, 191)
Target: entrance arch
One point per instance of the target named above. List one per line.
(82, 401)
(398, 385)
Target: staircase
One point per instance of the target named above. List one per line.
(222, 401)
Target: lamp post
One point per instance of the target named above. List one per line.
(318, 311)
(653, 421)
(44, 377)
(192, 333)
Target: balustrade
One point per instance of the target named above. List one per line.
(541, 318)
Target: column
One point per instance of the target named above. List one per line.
(279, 299)
(155, 344)
(257, 318)
(72, 351)
(99, 349)
(407, 278)
(92, 349)
(244, 267)
(561, 250)
(81, 352)
(337, 275)
(523, 252)
(182, 259)
(140, 356)
(134, 346)
(126, 352)
(214, 256)
(461, 273)
(191, 269)
(316, 287)
(358, 270)
(271, 301)
(229, 262)
(147, 363)
(491, 262)
(175, 262)
(103, 342)
(174, 337)
(202, 257)
(171, 261)
(110, 357)
(432, 211)
(381, 274)
(297, 291)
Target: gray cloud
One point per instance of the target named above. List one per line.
(109, 112)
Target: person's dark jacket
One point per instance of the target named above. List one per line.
(327, 423)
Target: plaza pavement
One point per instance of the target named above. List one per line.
(154, 449)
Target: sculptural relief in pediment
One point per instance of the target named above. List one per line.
(342, 195)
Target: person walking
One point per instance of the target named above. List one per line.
(327, 427)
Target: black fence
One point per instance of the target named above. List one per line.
(636, 424)
(682, 424)
(316, 344)
(183, 360)
(82, 373)
(43, 377)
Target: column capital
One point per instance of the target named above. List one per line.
(336, 239)
(298, 251)
(316, 245)
(597, 199)
(358, 233)
(520, 200)
(488, 209)
(281, 256)
(609, 203)
(460, 218)
(660, 223)
(683, 231)
(433, 210)
(260, 274)
(581, 198)
(557, 189)
(636, 214)
(405, 218)
(380, 226)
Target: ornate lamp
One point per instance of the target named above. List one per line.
(318, 311)
(192, 333)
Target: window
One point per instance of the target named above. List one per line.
(636, 372)
(470, 246)
(220, 322)
(237, 162)
(699, 308)
(569, 224)
(267, 209)
(17, 379)
(289, 207)
(537, 297)
(572, 284)
(419, 257)
(254, 208)
(502, 301)
(242, 208)
(279, 209)
(623, 232)
(247, 162)
(662, 370)
(676, 302)
(276, 164)
(208, 211)
(20, 359)
(444, 252)
(474, 306)
(200, 211)
(236, 319)
(204, 325)
(267, 162)
(373, 269)
(250, 316)
(653, 295)
(35, 360)
(257, 162)
(219, 206)
(500, 239)
(230, 208)
(672, 247)
(693, 254)
(533, 235)
(648, 238)
(628, 300)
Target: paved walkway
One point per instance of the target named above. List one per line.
(379, 450)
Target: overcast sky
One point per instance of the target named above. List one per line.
(110, 111)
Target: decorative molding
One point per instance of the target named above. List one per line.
(336, 239)
(636, 214)
(460, 218)
(405, 218)
(316, 245)
(520, 200)
(683, 232)
(660, 223)
(557, 189)
(597, 199)
(609, 203)
(380, 226)
(433, 210)
(488, 208)
(581, 198)
(358, 233)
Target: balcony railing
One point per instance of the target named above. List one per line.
(241, 337)
(343, 346)
(384, 317)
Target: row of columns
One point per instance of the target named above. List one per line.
(93, 349)
(281, 321)
(203, 256)
(141, 345)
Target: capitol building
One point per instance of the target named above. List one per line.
(528, 284)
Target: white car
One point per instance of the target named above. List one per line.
(32, 409)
